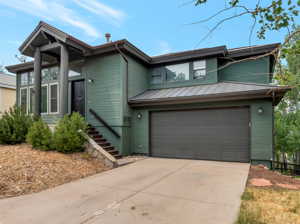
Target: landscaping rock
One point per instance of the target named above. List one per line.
(260, 182)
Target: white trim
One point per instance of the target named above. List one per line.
(47, 85)
(49, 98)
(20, 97)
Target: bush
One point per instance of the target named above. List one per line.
(40, 136)
(14, 126)
(66, 137)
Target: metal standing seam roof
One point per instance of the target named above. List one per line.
(7, 81)
(202, 90)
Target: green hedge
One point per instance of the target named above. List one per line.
(40, 136)
(14, 126)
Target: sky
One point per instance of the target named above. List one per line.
(156, 27)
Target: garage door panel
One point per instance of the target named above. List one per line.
(219, 134)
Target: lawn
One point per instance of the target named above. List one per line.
(276, 203)
(24, 170)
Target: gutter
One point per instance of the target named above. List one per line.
(126, 72)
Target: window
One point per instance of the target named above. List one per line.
(157, 75)
(44, 99)
(179, 72)
(24, 79)
(54, 98)
(31, 100)
(75, 69)
(50, 74)
(199, 69)
(23, 99)
(31, 78)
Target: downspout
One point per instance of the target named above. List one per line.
(126, 71)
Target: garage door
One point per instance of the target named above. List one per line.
(212, 134)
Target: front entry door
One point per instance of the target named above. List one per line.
(78, 97)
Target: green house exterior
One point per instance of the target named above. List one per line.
(132, 92)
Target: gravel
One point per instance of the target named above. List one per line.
(24, 170)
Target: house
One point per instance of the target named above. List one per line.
(7, 91)
(213, 103)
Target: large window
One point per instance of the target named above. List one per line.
(31, 78)
(178, 72)
(199, 69)
(54, 98)
(44, 99)
(23, 99)
(50, 74)
(24, 79)
(31, 100)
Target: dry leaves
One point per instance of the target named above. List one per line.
(24, 170)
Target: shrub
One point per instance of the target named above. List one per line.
(14, 126)
(40, 136)
(66, 137)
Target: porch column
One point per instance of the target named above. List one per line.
(64, 72)
(37, 81)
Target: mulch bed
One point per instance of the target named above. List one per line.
(260, 175)
(24, 170)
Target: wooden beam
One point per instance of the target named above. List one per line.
(50, 46)
(64, 73)
(37, 81)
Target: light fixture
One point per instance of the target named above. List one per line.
(90, 80)
(260, 110)
(139, 116)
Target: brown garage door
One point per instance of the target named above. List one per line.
(212, 134)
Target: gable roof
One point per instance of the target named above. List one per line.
(7, 81)
(204, 92)
(45, 33)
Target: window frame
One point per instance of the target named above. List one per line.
(49, 98)
(204, 68)
(187, 75)
(20, 98)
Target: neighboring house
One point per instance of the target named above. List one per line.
(7, 91)
(195, 104)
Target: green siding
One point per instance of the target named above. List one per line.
(211, 77)
(137, 83)
(104, 94)
(261, 141)
(261, 131)
(255, 71)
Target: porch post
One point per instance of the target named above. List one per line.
(64, 72)
(37, 81)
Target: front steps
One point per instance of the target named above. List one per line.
(101, 141)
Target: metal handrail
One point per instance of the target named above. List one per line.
(104, 123)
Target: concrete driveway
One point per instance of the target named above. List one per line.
(152, 190)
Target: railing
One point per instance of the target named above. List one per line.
(105, 124)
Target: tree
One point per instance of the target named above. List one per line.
(269, 16)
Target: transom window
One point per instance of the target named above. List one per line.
(24, 79)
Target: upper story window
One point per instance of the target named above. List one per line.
(178, 72)
(31, 78)
(157, 75)
(50, 74)
(24, 79)
(199, 69)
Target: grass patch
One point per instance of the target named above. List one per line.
(266, 206)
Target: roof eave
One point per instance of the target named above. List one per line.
(250, 95)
